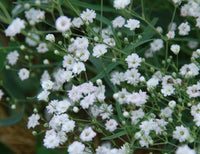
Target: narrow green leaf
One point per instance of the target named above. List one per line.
(12, 120)
(115, 135)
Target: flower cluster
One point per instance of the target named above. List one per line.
(111, 84)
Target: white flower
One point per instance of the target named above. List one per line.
(76, 148)
(50, 37)
(12, 57)
(77, 22)
(42, 48)
(193, 91)
(193, 44)
(137, 98)
(167, 90)
(68, 126)
(15, 27)
(43, 95)
(67, 75)
(156, 45)
(88, 15)
(33, 121)
(172, 104)
(34, 15)
(63, 23)
(189, 70)
(105, 111)
(75, 94)
(1, 94)
(133, 60)
(121, 4)
(87, 134)
(78, 68)
(68, 62)
(118, 22)
(170, 34)
(172, 26)
(132, 24)
(166, 112)
(23, 74)
(81, 43)
(51, 108)
(185, 149)
(177, 1)
(83, 55)
(47, 84)
(132, 76)
(99, 50)
(175, 48)
(152, 83)
(136, 115)
(109, 41)
(87, 101)
(111, 125)
(51, 139)
(181, 133)
(195, 112)
(184, 29)
(198, 22)
(62, 137)
(122, 96)
(45, 76)
(32, 40)
(117, 77)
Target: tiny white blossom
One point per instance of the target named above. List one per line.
(12, 57)
(132, 24)
(23, 74)
(63, 23)
(33, 121)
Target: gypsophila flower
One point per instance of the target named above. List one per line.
(76, 148)
(156, 45)
(184, 29)
(77, 22)
(181, 133)
(23, 74)
(133, 60)
(185, 149)
(34, 15)
(189, 70)
(175, 48)
(132, 76)
(99, 50)
(42, 48)
(1, 94)
(43, 95)
(33, 121)
(47, 84)
(32, 39)
(121, 4)
(166, 112)
(12, 57)
(15, 27)
(88, 15)
(78, 68)
(51, 139)
(87, 134)
(111, 125)
(137, 115)
(63, 23)
(118, 22)
(170, 34)
(50, 37)
(132, 24)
